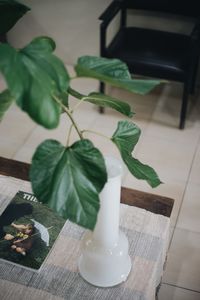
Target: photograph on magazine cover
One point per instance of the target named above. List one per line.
(28, 230)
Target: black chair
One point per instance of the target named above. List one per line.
(156, 53)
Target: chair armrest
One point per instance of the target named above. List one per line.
(110, 12)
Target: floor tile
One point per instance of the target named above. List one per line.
(183, 263)
(107, 123)
(189, 217)
(173, 134)
(170, 160)
(171, 189)
(168, 292)
(195, 170)
(40, 134)
(167, 112)
(9, 147)
(105, 146)
(15, 128)
(148, 101)
(142, 106)
(84, 85)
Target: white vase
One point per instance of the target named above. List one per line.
(105, 261)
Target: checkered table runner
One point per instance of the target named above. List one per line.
(148, 236)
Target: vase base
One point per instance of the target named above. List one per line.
(104, 267)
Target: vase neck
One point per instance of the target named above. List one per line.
(106, 231)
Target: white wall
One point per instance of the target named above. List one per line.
(73, 24)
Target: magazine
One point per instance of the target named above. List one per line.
(28, 230)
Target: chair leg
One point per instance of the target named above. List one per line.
(193, 81)
(184, 105)
(192, 87)
(101, 90)
(101, 109)
(102, 87)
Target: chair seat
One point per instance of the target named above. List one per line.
(152, 52)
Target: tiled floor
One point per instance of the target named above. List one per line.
(175, 154)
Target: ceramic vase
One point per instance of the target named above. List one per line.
(104, 260)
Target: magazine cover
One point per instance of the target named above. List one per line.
(28, 230)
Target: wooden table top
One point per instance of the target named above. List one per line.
(154, 203)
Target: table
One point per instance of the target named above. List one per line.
(149, 213)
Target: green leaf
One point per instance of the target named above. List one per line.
(125, 138)
(35, 77)
(107, 101)
(69, 179)
(40, 45)
(10, 12)
(102, 68)
(138, 86)
(141, 171)
(5, 101)
(114, 72)
(13, 70)
(40, 52)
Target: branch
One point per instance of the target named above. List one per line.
(69, 115)
(95, 132)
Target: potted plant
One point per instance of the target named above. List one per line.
(40, 85)
(69, 178)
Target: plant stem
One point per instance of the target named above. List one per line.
(95, 132)
(77, 105)
(77, 95)
(69, 134)
(69, 115)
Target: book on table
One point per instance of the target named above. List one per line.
(28, 231)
